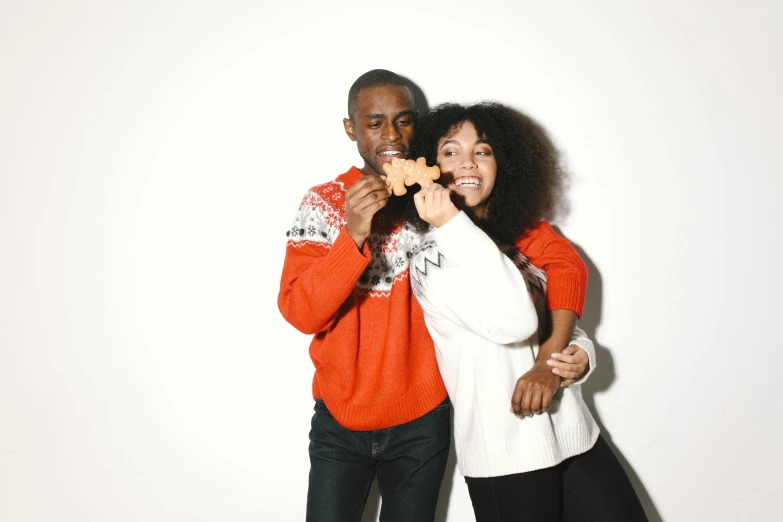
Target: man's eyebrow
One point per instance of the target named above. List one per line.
(378, 116)
(408, 112)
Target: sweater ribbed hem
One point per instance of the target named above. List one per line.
(420, 400)
(566, 292)
(520, 455)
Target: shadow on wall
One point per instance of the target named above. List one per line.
(420, 102)
(603, 376)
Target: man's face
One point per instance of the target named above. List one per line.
(382, 126)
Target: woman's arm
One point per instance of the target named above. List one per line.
(534, 390)
(465, 278)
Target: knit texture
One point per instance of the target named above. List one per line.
(565, 269)
(481, 305)
(374, 360)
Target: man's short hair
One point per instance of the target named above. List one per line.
(375, 78)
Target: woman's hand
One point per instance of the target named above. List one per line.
(571, 364)
(433, 203)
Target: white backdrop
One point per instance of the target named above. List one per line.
(152, 154)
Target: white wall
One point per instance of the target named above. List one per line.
(152, 154)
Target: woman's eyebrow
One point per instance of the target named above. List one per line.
(449, 142)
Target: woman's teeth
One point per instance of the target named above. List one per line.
(467, 182)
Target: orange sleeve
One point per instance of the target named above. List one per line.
(566, 271)
(317, 279)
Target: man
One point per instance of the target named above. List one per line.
(381, 406)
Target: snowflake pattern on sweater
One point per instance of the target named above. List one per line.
(321, 216)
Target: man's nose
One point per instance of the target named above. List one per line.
(390, 133)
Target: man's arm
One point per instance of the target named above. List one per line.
(565, 270)
(318, 278)
(566, 288)
(534, 390)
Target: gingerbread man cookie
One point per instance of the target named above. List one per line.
(401, 173)
(396, 172)
(421, 173)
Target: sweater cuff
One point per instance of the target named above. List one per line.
(586, 345)
(568, 293)
(346, 257)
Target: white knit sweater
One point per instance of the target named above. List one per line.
(482, 312)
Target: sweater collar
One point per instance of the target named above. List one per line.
(349, 178)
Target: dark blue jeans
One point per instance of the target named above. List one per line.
(409, 461)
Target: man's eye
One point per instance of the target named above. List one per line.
(403, 122)
(374, 125)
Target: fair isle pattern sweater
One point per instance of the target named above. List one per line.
(374, 361)
(481, 308)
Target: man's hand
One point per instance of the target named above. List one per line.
(571, 365)
(365, 197)
(433, 203)
(534, 391)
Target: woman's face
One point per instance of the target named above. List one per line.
(468, 168)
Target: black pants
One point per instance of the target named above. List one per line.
(591, 487)
(409, 461)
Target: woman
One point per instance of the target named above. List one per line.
(482, 306)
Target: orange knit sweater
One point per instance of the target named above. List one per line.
(374, 360)
(565, 270)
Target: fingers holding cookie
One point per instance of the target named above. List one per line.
(402, 173)
(434, 205)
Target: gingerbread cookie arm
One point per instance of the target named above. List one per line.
(421, 173)
(396, 176)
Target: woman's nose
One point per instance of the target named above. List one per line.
(468, 163)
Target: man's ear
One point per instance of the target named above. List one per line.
(349, 130)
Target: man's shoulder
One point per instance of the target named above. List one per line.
(336, 187)
(321, 213)
(541, 237)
